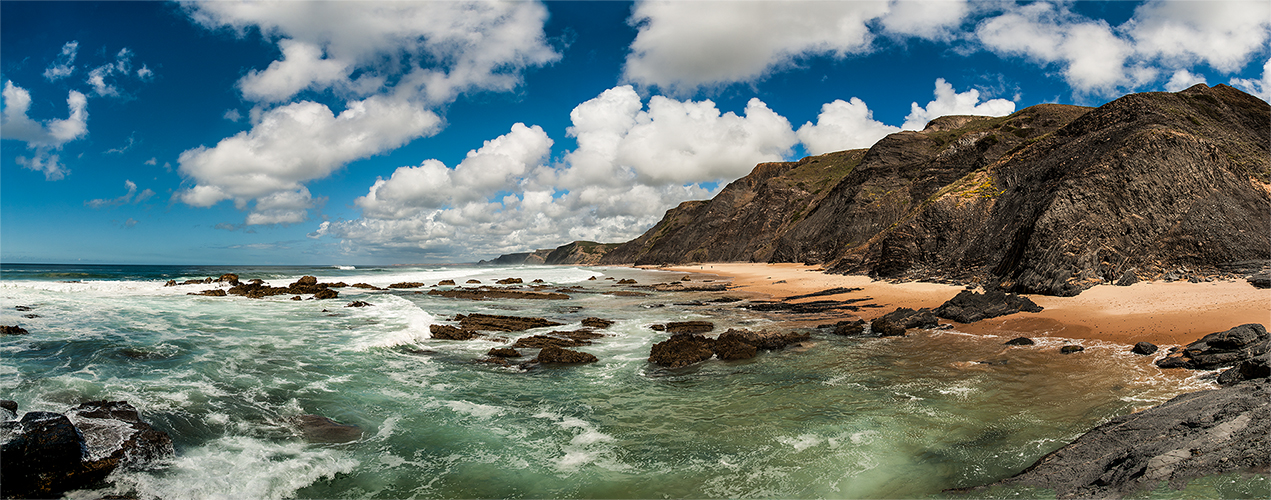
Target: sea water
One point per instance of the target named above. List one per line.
(835, 417)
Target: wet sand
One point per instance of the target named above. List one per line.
(1157, 312)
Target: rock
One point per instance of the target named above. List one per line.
(1069, 349)
(1144, 348)
(504, 352)
(690, 326)
(407, 284)
(367, 286)
(230, 278)
(12, 330)
(658, 327)
(296, 297)
(626, 282)
(509, 281)
(320, 429)
(306, 281)
(730, 347)
(1221, 349)
(215, 292)
(338, 284)
(1127, 278)
(1249, 369)
(1191, 436)
(447, 332)
(969, 307)
(690, 287)
(502, 323)
(10, 405)
(850, 328)
(682, 349)
(767, 340)
(113, 430)
(553, 354)
(326, 294)
(1260, 280)
(597, 323)
(894, 324)
(627, 293)
(593, 278)
(446, 283)
(473, 282)
(544, 341)
(1020, 341)
(358, 303)
(170, 283)
(685, 278)
(484, 293)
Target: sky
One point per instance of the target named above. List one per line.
(365, 133)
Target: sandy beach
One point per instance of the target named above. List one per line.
(1158, 312)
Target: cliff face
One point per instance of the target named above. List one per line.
(576, 253)
(1052, 199)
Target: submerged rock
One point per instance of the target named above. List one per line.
(554, 354)
(447, 332)
(545, 341)
(504, 352)
(501, 323)
(690, 326)
(850, 328)
(1217, 350)
(682, 349)
(1144, 348)
(969, 307)
(12, 330)
(1069, 349)
(320, 429)
(358, 303)
(1020, 341)
(597, 323)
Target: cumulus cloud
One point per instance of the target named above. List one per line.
(1182, 79)
(930, 19)
(46, 136)
(1092, 57)
(1260, 88)
(949, 102)
(843, 125)
(294, 144)
(64, 65)
(132, 196)
(102, 77)
(1223, 34)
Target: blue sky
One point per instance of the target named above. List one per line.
(415, 132)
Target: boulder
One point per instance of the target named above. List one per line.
(407, 284)
(501, 323)
(473, 282)
(690, 326)
(730, 347)
(504, 352)
(446, 283)
(358, 303)
(1249, 369)
(1069, 349)
(215, 292)
(11, 406)
(509, 281)
(1221, 349)
(12, 330)
(1127, 278)
(682, 349)
(850, 328)
(306, 281)
(1144, 348)
(447, 332)
(969, 307)
(326, 293)
(230, 278)
(320, 429)
(894, 324)
(597, 323)
(1260, 280)
(113, 430)
(626, 282)
(296, 297)
(767, 340)
(545, 341)
(1020, 341)
(554, 354)
(367, 286)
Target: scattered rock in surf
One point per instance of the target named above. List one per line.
(627, 293)
(509, 281)
(230, 278)
(690, 326)
(1020, 341)
(1069, 349)
(1129, 277)
(658, 327)
(1221, 349)
(12, 406)
(1144, 348)
(12, 330)
(626, 281)
(407, 284)
(544, 341)
(537, 281)
(446, 283)
(593, 278)
(504, 352)
(320, 429)
(682, 349)
(23, 308)
(767, 340)
(447, 332)
(969, 307)
(850, 328)
(992, 362)
(597, 323)
(1249, 369)
(338, 284)
(730, 346)
(685, 278)
(473, 282)
(215, 292)
(366, 286)
(554, 354)
(358, 303)
(610, 278)
(170, 283)
(895, 323)
(326, 293)
(486, 293)
(491, 322)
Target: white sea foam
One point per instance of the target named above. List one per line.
(475, 409)
(401, 322)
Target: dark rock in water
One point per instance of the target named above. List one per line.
(12, 330)
(767, 340)
(1127, 278)
(730, 346)
(1020, 341)
(113, 431)
(483, 293)
(502, 323)
(504, 352)
(690, 326)
(998, 362)
(366, 286)
(22, 308)
(969, 307)
(320, 429)
(1191, 436)
(626, 282)
(446, 283)
(894, 324)
(544, 341)
(1069, 349)
(170, 283)
(326, 294)
(658, 327)
(1260, 280)
(509, 281)
(215, 292)
(1217, 350)
(1249, 369)
(230, 278)
(473, 282)
(850, 328)
(1144, 348)
(358, 303)
(682, 349)
(10, 405)
(338, 284)
(554, 354)
(597, 323)
(447, 332)
(407, 284)
(296, 297)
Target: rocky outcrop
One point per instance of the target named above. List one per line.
(968, 306)
(584, 253)
(1052, 199)
(1191, 436)
(447, 332)
(553, 354)
(12, 330)
(1221, 349)
(545, 341)
(408, 284)
(1020, 341)
(895, 323)
(504, 352)
(684, 349)
(597, 323)
(46, 453)
(306, 285)
(488, 293)
(1144, 349)
(320, 429)
(1249, 369)
(690, 326)
(501, 323)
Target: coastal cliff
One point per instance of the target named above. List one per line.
(1052, 199)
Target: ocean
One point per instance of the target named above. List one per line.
(837, 417)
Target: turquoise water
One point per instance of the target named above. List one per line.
(834, 418)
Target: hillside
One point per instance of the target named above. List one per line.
(1051, 199)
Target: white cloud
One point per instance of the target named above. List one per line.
(64, 66)
(152, 161)
(132, 196)
(1093, 58)
(843, 125)
(100, 78)
(948, 102)
(294, 144)
(42, 137)
(232, 115)
(1183, 79)
(1222, 34)
(302, 67)
(1260, 88)
(930, 19)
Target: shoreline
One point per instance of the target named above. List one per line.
(1163, 313)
